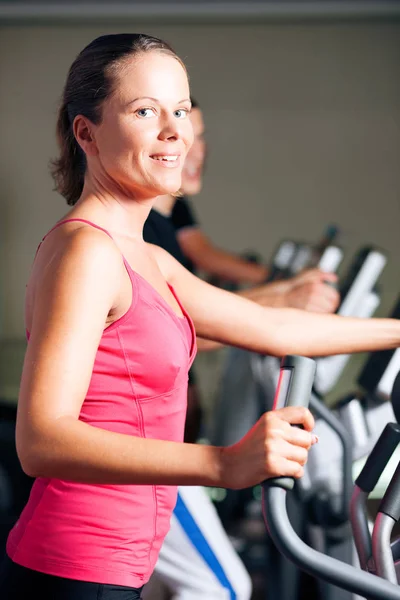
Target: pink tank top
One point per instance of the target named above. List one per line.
(113, 533)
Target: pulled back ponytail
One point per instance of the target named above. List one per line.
(68, 170)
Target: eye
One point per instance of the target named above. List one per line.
(145, 113)
(181, 113)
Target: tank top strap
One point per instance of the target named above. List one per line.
(129, 269)
(79, 220)
(71, 221)
(76, 219)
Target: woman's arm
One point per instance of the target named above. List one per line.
(76, 291)
(307, 291)
(227, 318)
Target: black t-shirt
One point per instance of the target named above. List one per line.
(182, 214)
(159, 230)
(182, 217)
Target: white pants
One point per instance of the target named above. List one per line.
(197, 560)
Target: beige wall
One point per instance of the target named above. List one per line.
(303, 123)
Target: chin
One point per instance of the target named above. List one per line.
(168, 187)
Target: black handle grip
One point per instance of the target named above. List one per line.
(379, 458)
(390, 503)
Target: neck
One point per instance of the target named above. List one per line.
(114, 210)
(164, 204)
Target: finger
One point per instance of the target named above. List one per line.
(319, 275)
(315, 289)
(321, 288)
(288, 468)
(307, 276)
(296, 415)
(299, 437)
(295, 453)
(330, 277)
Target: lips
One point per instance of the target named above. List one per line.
(170, 158)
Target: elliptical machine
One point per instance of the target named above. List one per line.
(319, 506)
(357, 291)
(294, 388)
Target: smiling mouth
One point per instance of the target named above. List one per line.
(166, 159)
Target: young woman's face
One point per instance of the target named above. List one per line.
(193, 167)
(145, 132)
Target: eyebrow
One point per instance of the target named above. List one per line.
(155, 100)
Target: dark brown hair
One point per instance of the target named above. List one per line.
(90, 81)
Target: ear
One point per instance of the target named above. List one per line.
(83, 131)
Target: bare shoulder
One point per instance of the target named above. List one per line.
(76, 267)
(83, 245)
(80, 255)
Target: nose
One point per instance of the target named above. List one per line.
(170, 129)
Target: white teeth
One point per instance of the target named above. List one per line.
(167, 158)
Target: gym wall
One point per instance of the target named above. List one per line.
(303, 125)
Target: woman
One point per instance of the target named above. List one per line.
(103, 390)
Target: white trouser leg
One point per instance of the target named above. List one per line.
(197, 560)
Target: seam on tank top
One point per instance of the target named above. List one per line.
(166, 311)
(165, 393)
(131, 381)
(160, 307)
(142, 430)
(155, 524)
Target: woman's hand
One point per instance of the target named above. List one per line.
(272, 448)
